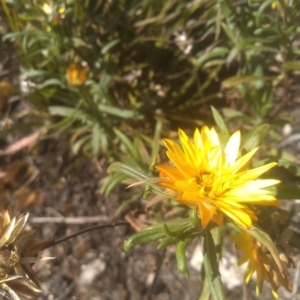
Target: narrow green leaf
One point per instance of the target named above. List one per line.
(230, 113)
(221, 124)
(290, 166)
(213, 63)
(215, 52)
(229, 32)
(130, 147)
(147, 21)
(107, 47)
(96, 139)
(287, 192)
(235, 80)
(120, 112)
(257, 137)
(233, 54)
(10, 35)
(143, 237)
(181, 257)
(104, 141)
(61, 111)
(211, 267)
(155, 142)
(125, 203)
(49, 82)
(78, 144)
(34, 73)
(205, 292)
(111, 182)
(125, 169)
(167, 242)
(156, 232)
(194, 217)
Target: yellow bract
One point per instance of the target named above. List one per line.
(260, 262)
(214, 179)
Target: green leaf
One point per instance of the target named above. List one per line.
(216, 52)
(61, 111)
(229, 32)
(290, 166)
(205, 293)
(143, 237)
(49, 82)
(143, 157)
(130, 147)
(155, 141)
(181, 257)
(120, 112)
(78, 144)
(257, 137)
(287, 192)
(168, 241)
(12, 35)
(230, 113)
(125, 169)
(235, 80)
(104, 141)
(211, 267)
(194, 217)
(107, 47)
(110, 182)
(34, 73)
(221, 124)
(156, 232)
(235, 51)
(96, 139)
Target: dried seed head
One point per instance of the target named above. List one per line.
(18, 251)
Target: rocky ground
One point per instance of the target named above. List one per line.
(94, 265)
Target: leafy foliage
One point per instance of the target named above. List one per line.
(102, 65)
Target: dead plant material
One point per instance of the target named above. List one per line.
(18, 251)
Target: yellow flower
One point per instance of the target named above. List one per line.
(76, 74)
(213, 179)
(260, 262)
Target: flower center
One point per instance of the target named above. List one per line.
(9, 257)
(205, 181)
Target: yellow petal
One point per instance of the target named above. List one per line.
(254, 173)
(169, 171)
(243, 161)
(198, 139)
(249, 271)
(232, 148)
(206, 213)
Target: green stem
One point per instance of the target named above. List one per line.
(211, 255)
(205, 292)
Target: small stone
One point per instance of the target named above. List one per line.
(90, 271)
(287, 129)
